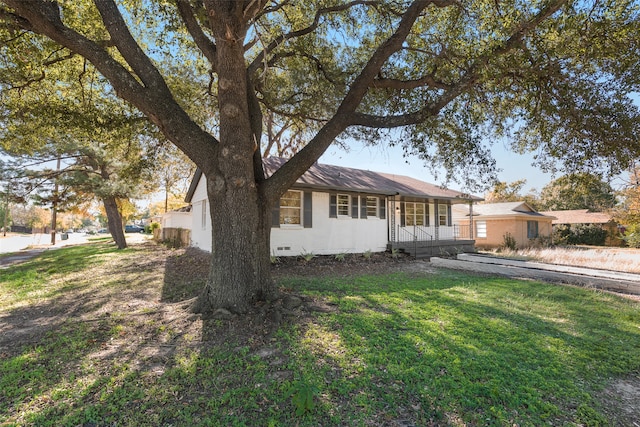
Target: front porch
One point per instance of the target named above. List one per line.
(427, 241)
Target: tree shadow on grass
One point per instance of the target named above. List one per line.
(386, 350)
(88, 354)
(186, 273)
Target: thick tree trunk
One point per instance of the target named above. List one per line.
(114, 221)
(240, 214)
(240, 272)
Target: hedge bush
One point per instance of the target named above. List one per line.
(579, 234)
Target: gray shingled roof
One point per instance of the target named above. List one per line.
(338, 178)
(505, 209)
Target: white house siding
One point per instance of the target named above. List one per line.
(176, 220)
(326, 236)
(200, 236)
(330, 235)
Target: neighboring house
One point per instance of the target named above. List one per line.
(178, 218)
(493, 221)
(584, 217)
(333, 210)
(175, 227)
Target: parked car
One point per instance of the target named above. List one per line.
(133, 229)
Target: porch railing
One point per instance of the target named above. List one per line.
(413, 233)
(419, 233)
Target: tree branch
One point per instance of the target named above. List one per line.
(14, 21)
(255, 64)
(252, 8)
(467, 81)
(284, 177)
(155, 101)
(128, 47)
(204, 43)
(429, 81)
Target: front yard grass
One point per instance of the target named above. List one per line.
(430, 348)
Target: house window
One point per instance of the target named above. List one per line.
(414, 213)
(343, 204)
(291, 208)
(203, 217)
(372, 206)
(443, 215)
(532, 229)
(481, 229)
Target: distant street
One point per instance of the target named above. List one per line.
(16, 242)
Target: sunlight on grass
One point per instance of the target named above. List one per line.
(441, 348)
(47, 274)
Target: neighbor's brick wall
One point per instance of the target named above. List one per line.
(498, 228)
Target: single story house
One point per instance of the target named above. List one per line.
(175, 227)
(493, 222)
(178, 218)
(333, 210)
(585, 217)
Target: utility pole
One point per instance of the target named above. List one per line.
(54, 205)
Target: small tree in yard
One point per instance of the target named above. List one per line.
(628, 212)
(551, 75)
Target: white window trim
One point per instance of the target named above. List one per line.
(377, 207)
(424, 214)
(294, 226)
(348, 214)
(446, 216)
(484, 224)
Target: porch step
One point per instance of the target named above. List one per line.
(420, 253)
(425, 250)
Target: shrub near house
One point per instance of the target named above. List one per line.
(582, 227)
(579, 234)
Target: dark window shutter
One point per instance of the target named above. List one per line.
(333, 206)
(382, 208)
(449, 222)
(426, 213)
(402, 219)
(363, 207)
(275, 217)
(306, 206)
(436, 210)
(354, 206)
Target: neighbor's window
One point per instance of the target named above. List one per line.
(443, 216)
(290, 208)
(481, 229)
(343, 204)
(532, 229)
(372, 206)
(414, 213)
(203, 218)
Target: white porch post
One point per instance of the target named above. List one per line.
(437, 220)
(470, 219)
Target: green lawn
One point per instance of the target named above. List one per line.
(438, 348)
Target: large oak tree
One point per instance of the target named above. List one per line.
(551, 75)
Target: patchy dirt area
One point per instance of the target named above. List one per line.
(151, 312)
(620, 401)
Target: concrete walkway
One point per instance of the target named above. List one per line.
(600, 279)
